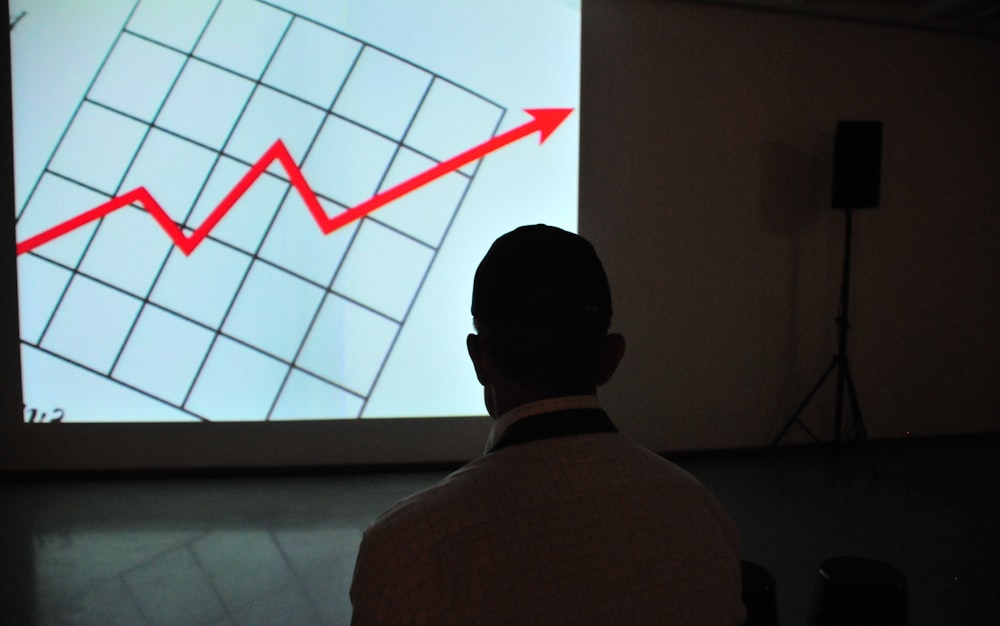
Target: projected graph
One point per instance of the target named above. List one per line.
(227, 230)
(546, 121)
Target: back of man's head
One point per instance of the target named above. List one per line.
(542, 302)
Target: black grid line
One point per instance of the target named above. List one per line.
(319, 307)
(76, 111)
(219, 153)
(135, 155)
(423, 278)
(260, 244)
(193, 322)
(255, 257)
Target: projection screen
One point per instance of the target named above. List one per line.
(264, 211)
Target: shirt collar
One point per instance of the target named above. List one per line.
(548, 405)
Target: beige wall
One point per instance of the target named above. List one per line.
(705, 182)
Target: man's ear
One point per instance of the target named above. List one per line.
(479, 353)
(612, 351)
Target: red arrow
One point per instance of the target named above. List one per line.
(544, 122)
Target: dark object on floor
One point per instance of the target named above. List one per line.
(760, 595)
(855, 591)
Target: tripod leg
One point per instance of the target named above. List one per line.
(802, 407)
(852, 394)
(859, 423)
(838, 413)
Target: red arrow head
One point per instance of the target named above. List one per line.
(547, 120)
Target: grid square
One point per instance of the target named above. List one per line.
(161, 21)
(242, 36)
(92, 396)
(347, 162)
(55, 201)
(172, 170)
(387, 256)
(383, 270)
(296, 243)
(236, 393)
(47, 282)
(271, 116)
(128, 251)
(279, 326)
(348, 344)
(205, 104)
(382, 93)
(312, 63)
(246, 223)
(91, 324)
(307, 397)
(426, 212)
(163, 354)
(98, 148)
(202, 285)
(452, 120)
(137, 77)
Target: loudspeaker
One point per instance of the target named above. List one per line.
(857, 165)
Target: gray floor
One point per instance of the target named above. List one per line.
(280, 550)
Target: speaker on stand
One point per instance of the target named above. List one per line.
(857, 168)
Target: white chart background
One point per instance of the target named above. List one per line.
(268, 318)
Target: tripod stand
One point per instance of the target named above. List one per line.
(840, 363)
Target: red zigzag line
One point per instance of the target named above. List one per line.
(544, 121)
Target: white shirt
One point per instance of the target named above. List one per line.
(581, 529)
(538, 407)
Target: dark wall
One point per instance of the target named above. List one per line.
(708, 148)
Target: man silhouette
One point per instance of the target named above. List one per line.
(563, 520)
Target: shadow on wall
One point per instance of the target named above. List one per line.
(792, 201)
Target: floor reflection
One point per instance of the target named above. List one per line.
(213, 552)
(281, 550)
(242, 576)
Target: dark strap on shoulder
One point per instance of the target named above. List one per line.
(557, 424)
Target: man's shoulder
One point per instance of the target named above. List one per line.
(540, 466)
(454, 488)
